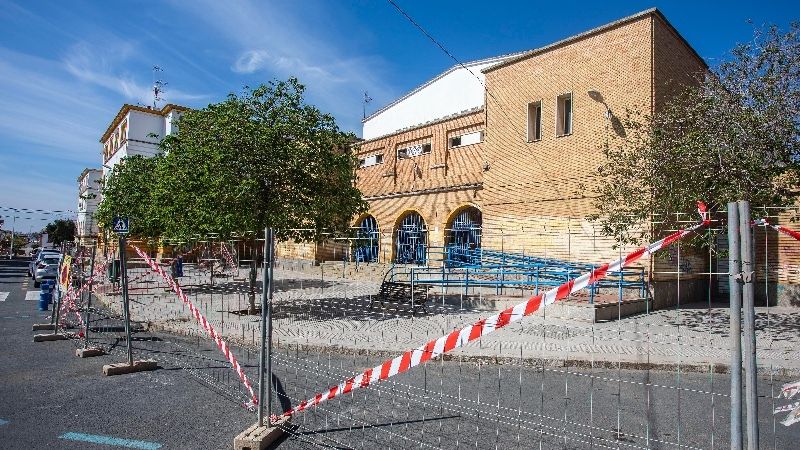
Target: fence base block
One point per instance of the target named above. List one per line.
(48, 337)
(89, 352)
(259, 438)
(125, 368)
(43, 326)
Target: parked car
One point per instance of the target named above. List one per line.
(35, 258)
(46, 268)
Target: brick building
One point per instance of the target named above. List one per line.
(523, 158)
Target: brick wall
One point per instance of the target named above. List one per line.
(443, 167)
(548, 183)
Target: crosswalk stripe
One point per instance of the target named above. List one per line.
(32, 295)
(3, 296)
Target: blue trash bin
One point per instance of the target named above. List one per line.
(44, 300)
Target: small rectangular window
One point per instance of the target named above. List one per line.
(413, 150)
(474, 137)
(534, 121)
(371, 160)
(564, 115)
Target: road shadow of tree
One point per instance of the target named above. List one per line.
(779, 326)
(357, 308)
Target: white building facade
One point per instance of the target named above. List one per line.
(137, 130)
(461, 88)
(88, 198)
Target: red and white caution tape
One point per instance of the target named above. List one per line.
(793, 417)
(221, 344)
(459, 338)
(227, 254)
(785, 230)
(789, 390)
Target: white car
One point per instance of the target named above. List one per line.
(40, 253)
(46, 268)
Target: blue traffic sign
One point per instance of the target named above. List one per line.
(121, 225)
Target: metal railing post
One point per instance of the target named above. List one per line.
(125, 303)
(265, 357)
(89, 299)
(735, 269)
(748, 301)
(412, 291)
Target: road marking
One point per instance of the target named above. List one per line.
(108, 440)
(4, 422)
(32, 295)
(3, 296)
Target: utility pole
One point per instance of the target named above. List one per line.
(13, 226)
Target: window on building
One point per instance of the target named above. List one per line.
(413, 150)
(371, 160)
(124, 129)
(534, 121)
(564, 115)
(474, 137)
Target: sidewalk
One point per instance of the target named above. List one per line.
(324, 313)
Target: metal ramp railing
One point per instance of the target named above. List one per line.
(478, 268)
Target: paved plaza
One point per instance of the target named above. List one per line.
(315, 312)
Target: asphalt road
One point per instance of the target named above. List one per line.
(49, 397)
(45, 392)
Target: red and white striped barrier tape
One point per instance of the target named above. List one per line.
(68, 303)
(227, 254)
(459, 338)
(785, 230)
(221, 344)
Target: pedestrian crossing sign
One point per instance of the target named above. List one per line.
(120, 225)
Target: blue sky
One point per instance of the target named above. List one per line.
(67, 67)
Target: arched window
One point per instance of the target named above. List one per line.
(411, 240)
(464, 237)
(367, 240)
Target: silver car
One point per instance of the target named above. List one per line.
(46, 268)
(40, 253)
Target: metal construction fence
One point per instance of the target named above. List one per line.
(569, 362)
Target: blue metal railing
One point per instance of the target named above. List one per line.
(479, 268)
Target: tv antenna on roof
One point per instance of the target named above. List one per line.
(367, 99)
(158, 87)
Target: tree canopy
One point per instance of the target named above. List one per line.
(60, 230)
(733, 136)
(261, 158)
(128, 192)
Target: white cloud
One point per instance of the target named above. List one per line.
(50, 125)
(101, 67)
(40, 107)
(251, 61)
(272, 40)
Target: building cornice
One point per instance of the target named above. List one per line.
(126, 108)
(652, 12)
(85, 172)
(460, 187)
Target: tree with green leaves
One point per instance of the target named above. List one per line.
(264, 158)
(60, 230)
(128, 192)
(733, 136)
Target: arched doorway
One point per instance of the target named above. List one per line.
(367, 240)
(464, 237)
(411, 240)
